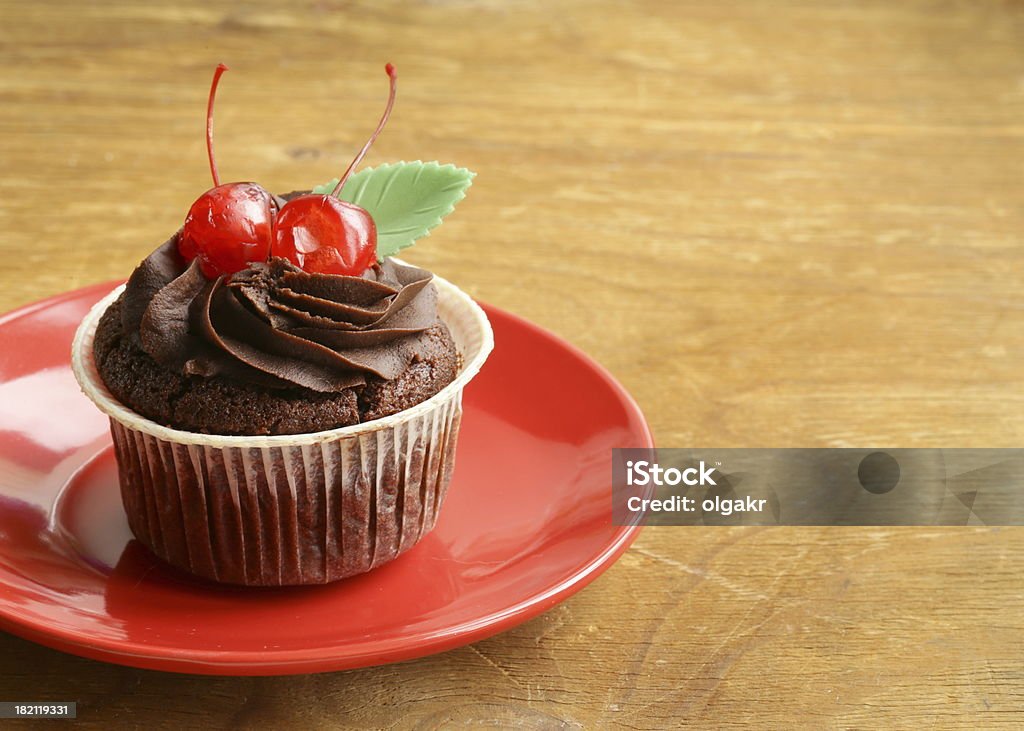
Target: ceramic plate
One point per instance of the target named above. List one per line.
(527, 522)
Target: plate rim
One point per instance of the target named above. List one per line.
(325, 658)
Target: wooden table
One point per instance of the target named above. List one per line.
(778, 223)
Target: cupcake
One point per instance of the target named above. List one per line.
(284, 395)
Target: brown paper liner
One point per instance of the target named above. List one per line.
(288, 515)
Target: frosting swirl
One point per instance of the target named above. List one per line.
(276, 326)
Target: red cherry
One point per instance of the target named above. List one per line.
(324, 234)
(230, 225)
(228, 228)
(320, 233)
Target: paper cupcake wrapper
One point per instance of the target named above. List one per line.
(290, 509)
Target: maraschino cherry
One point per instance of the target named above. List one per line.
(324, 234)
(230, 225)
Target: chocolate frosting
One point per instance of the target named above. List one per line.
(276, 326)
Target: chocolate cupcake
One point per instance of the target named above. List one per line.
(284, 396)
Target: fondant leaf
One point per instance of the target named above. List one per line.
(406, 199)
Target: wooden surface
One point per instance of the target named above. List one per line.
(778, 223)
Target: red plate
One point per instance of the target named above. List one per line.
(527, 522)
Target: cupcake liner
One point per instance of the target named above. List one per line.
(290, 509)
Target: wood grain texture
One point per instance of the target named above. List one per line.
(778, 223)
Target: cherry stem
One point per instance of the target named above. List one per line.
(393, 76)
(218, 72)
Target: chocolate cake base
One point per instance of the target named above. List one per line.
(216, 405)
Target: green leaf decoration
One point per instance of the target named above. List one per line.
(406, 199)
